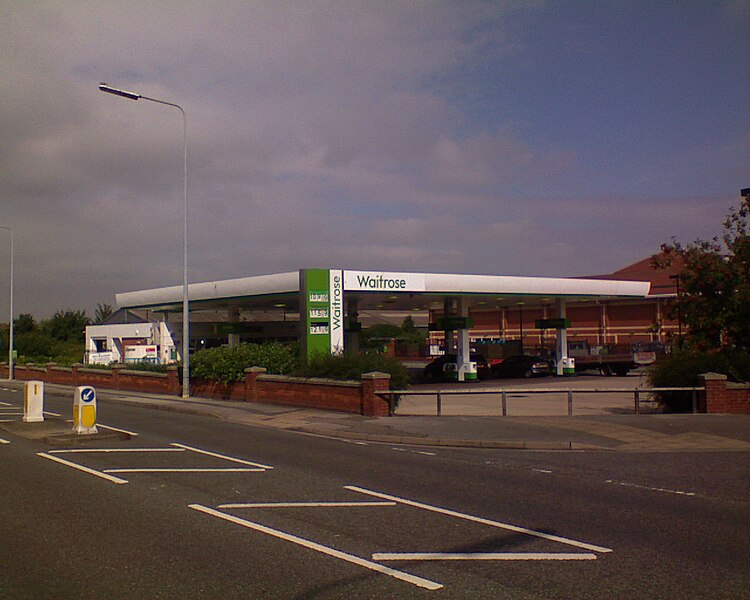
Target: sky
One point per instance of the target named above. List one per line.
(541, 138)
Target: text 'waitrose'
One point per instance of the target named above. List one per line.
(380, 283)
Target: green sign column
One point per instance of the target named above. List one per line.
(321, 312)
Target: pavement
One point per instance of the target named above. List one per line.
(602, 432)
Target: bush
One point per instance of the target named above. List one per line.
(352, 365)
(682, 370)
(228, 363)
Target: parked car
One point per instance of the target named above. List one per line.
(437, 371)
(521, 365)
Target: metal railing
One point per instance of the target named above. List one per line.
(393, 396)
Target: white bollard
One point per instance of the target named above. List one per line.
(84, 410)
(33, 402)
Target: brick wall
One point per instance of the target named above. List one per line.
(358, 397)
(722, 396)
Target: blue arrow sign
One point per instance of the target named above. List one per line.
(87, 394)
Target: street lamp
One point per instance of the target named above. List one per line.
(10, 332)
(185, 305)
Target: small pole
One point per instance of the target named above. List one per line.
(695, 401)
(570, 403)
(439, 404)
(505, 403)
(636, 394)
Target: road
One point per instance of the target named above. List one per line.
(192, 507)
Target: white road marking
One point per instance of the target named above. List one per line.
(491, 523)
(385, 556)
(2, 441)
(305, 504)
(82, 468)
(52, 414)
(650, 489)
(545, 471)
(418, 581)
(229, 458)
(188, 470)
(427, 453)
(133, 433)
(95, 450)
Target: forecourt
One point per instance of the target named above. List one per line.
(325, 303)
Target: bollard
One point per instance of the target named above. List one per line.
(637, 401)
(504, 402)
(439, 404)
(33, 402)
(570, 403)
(84, 410)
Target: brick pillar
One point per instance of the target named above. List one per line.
(4, 370)
(372, 405)
(714, 398)
(116, 376)
(251, 383)
(76, 375)
(174, 385)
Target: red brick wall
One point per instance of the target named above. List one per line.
(724, 397)
(351, 397)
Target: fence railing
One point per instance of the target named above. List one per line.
(393, 396)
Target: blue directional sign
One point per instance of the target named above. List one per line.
(88, 394)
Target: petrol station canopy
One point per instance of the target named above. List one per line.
(378, 290)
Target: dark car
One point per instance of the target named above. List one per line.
(521, 365)
(443, 368)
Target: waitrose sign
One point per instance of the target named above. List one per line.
(378, 281)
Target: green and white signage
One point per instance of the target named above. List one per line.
(379, 281)
(322, 311)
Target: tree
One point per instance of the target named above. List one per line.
(714, 284)
(102, 313)
(24, 323)
(68, 325)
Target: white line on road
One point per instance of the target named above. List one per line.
(82, 468)
(52, 414)
(305, 504)
(188, 470)
(545, 471)
(453, 513)
(116, 429)
(483, 556)
(418, 581)
(229, 458)
(2, 441)
(95, 450)
(650, 489)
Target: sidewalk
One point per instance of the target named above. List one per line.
(645, 433)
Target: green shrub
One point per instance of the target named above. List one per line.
(350, 366)
(228, 363)
(682, 370)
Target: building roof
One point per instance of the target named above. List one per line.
(661, 280)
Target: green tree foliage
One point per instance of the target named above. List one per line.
(102, 313)
(227, 364)
(375, 336)
(25, 323)
(67, 325)
(682, 370)
(714, 279)
(350, 366)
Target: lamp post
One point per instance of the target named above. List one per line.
(10, 331)
(185, 304)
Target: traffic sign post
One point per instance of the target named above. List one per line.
(84, 410)
(33, 402)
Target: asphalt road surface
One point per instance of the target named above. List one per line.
(191, 507)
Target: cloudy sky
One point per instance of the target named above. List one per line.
(500, 137)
